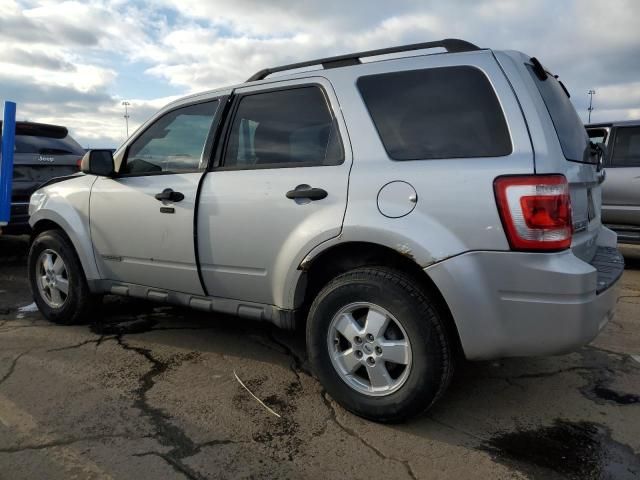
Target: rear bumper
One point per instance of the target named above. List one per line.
(508, 304)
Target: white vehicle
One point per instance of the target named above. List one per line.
(621, 191)
(406, 209)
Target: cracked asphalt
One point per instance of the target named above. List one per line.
(152, 392)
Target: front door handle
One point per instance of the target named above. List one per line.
(305, 191)
(168, 195)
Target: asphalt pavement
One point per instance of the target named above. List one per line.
(156, 392)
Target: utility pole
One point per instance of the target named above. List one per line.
(126, 115)
(591, 93)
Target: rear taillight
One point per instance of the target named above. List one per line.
(79, 163)
(535, 211)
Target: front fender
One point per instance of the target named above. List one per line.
(66, 204)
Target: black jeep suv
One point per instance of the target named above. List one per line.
(42, 152)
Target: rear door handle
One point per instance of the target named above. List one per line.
(305, 191)
(168, 195)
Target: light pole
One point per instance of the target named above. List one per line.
(126, 115)
(591, 93)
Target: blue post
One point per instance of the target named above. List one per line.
(6, 161)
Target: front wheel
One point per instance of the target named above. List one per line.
(378, 344)
(57, 280)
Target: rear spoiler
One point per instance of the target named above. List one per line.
(40, 130)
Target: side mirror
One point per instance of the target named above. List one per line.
(98, 162)
(597, 151)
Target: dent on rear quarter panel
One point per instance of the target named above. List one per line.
(66, 203)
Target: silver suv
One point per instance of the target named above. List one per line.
(403, 209)
(621, 191)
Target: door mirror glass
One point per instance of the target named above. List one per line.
(98, 162)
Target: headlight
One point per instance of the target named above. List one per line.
(37, 200)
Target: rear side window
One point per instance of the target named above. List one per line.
(47, 146)
(571, 132)
(283, 128)
(448, 112)
(626, 147)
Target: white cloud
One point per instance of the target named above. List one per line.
(65, 61)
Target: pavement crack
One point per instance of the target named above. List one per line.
(162, 329)
(626, 296)
(11, 328)
(177, 465)
(620, 355)
(97, 341)
(212, 443)
(456, 429)
(12, 367)
(334, 418)
(297, 364)
(544, 374)
(167, 434)
(63, 442)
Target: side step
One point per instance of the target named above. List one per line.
(285, 319)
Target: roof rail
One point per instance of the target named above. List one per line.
(452, 45)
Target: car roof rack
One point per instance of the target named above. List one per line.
(452, 45)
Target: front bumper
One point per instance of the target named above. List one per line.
(511, 304)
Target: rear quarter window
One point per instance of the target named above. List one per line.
(448, 112)
(571, 132)
(47, 145)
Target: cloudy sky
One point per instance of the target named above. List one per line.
(74, 62)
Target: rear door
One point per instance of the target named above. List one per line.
(279, 189)
(621, 190)
(137, 237)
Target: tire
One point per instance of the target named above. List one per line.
(415, 334)
(77, 305)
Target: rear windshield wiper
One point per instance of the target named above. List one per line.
(538, 69)
(542, 74)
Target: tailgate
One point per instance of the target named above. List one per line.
(577, 161)
(30, 170)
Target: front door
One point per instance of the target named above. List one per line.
(280, 189)
(621, 189)
(142, 219)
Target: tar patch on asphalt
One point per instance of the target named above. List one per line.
(124, 327)
(609, 395)
(576, 450)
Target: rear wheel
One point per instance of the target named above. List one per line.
(57, 280)
(378, 344)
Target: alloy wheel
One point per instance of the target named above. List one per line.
(369, 349)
